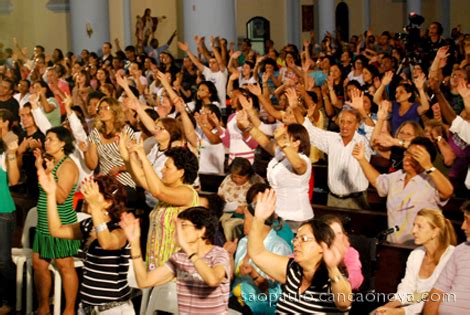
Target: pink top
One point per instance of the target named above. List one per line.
(354, 267)
(194, 295)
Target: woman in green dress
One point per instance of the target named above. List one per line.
(58, 145)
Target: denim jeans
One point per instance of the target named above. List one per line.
(7, 267)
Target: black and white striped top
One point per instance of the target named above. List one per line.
(317, 299)
(105, 271)
(109, 156)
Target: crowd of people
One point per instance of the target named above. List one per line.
(124, 135)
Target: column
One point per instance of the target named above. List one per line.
(444, 16)
(293, 22)
(326, 18)
(366, 14)
(126, 21)
(5, 7)
(209, 17)
(413, 6)
(89, 24)
(58, 5)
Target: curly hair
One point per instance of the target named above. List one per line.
(202, 217)
(115, 192)
(185, 160)
(119, 117)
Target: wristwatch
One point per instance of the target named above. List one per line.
(438, 139)
(430, 170)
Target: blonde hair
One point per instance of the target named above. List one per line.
(437, 220)
(119, 117)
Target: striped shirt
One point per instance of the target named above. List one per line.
(110, 157)
(238, 146)
(194, 295)
(317, 299)
(345, 175)
(105, 271)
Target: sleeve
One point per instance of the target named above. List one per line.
(447, 276)
(354, 267)
(406, 288)
(206, 72)
(172, 263)
(318, 137)
(222, 258)
(77, 129)
(461, 128)
(250, 142)
(41, 120)
(383, 185)
(94, 136)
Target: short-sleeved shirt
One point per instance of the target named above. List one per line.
(455, 280)
(194, 295)
(219, 79)
(404, 202)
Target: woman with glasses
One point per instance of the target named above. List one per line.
(311, 280)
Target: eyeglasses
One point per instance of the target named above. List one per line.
(302, 239)
(160, 128)
(103, 107)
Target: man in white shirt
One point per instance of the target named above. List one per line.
(346, 180)
(216, 72)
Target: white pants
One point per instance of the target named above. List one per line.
(124, 309)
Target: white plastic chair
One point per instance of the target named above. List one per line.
(21, 257)
(78, 263)
(162, 298)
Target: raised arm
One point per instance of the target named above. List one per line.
(371, 173)
(184, 47)
(273, 265)
(97, 205)
(386, 80)
(254, 132)
(293, 156)
(423, 97)
(144, 278)
(217, 55)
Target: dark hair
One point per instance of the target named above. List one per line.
(321, 231)
(113, 190)
(202, 217)
(12, 84)
(184, 160)
(215, 109)
(43, 84)
(373, 70)
(215, 203)
(130, 48)
(251, 195)
(64, 135)
(242, 167)
(60, 54)
(409, 89)
(440, 29)
(109, 44)
(298, 132)
(214, 97)
(427, 144)
(95, 95)
(354, 83)
(6, 115)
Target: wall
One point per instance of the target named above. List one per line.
(32, 23)
(273, 10)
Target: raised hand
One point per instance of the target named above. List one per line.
(333, 255)
(183, 46)
(234, 75)
(236, 54)
(47, 181)
(92, 195)
(123, 143)
(245, 102)
(358, 151)
(254, 89)
(384, 109)
(281, 137)
(421, 155)
(131, 227)
(266, 204)
(442, 53)
(121, 80)
(357, 100)
(292, 97)
(242, 119)
(387, 78)
(463, 89)
(419, 81)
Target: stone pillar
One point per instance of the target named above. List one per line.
(366, 15)
(326, 18)
(89, 24)
(413, 6)
(209, 17)
(293, 22)
(127, 22)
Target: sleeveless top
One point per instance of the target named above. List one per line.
(105, 271)
(47, 246)
(7, 205)
(161, 240)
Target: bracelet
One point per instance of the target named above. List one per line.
(401, 143)
(248, 129)
(136, 257)
(11, 157)
(100, 228)
(192, 255)
(430, 170)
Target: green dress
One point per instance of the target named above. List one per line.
(47, 246)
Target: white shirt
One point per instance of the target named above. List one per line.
(219, 79)
(462, 128)
(157, 158)
(345, 175)
(292, 198)
(212, 156)
(412, 285)
(23, 100)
